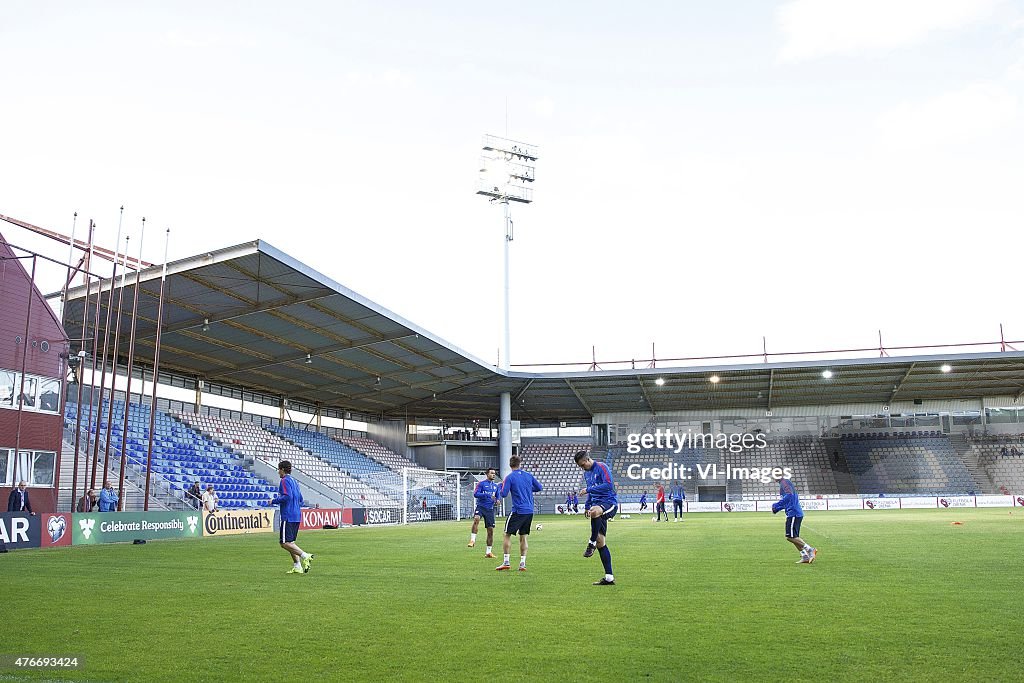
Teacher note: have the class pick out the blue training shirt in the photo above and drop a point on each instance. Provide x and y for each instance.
(522, 485)
(790, 501)
(484, 494)
(600, 489)
(678, 493)
(289, 497)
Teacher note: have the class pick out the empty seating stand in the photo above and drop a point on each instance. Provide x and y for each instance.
(355, 464)
(248, 439)
(553, 465)
(181, 456)
(906, 463)
(996, 456)
(804, 455)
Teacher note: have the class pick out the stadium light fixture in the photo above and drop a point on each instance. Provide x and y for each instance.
(206, 324)
(714, 379)
(660, 381)
(946, 367)
(827, 374)
(506, 172)
(309, 359)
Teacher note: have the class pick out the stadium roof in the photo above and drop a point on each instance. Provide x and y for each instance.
(252, 317)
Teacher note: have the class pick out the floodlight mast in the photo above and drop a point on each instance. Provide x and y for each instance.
(506, 168)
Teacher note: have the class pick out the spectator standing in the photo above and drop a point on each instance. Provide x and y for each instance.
(194, 495)
(210, 499)
(108, 498)
(18, 500)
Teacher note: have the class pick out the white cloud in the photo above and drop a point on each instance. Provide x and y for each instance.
(952, 117)
(817, 28)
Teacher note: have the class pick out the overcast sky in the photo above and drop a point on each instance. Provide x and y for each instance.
(709, 172)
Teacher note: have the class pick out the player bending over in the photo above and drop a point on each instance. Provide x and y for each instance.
(602, 503)
(643, 502)
(289, 497)
(522, 485)
(790, 502)
(659, 501)
(485, 493)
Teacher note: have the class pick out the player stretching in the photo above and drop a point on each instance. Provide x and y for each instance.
(790, 502)
(484, 494)
(602, 504)
(289, 497)
(522, 485)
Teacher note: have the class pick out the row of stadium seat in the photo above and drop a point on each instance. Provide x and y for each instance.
(180, 455)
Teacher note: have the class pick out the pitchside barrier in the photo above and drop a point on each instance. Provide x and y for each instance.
(821, 504)
(45, 530)
(230, 522)
(19, 530)
(125, 527)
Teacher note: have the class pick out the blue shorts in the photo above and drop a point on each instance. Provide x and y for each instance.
(518, 524)
(600, 525)
(793, 526)
(289, 531)
(486, 515)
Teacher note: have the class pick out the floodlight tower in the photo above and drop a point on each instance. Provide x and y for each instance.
(506, 171)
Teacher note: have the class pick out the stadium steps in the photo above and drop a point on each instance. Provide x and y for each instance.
(845, 483)
(970, 457)
(134, 496)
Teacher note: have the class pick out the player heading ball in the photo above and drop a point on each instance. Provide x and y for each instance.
(602, 504)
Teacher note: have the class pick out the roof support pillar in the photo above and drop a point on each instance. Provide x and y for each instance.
(505, 434)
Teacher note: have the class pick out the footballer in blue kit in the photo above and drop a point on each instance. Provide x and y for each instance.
(602, 504)
(485, 495)
(289, 497)
(521, 485)
(790, 502)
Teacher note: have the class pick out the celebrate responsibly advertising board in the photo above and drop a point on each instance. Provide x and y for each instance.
(124, 527)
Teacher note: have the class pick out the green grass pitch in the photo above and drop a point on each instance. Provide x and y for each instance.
(894, 595)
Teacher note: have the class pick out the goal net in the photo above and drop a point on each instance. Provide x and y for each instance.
(419, 495)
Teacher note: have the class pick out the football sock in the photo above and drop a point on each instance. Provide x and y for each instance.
(606, 559)
(298, 565)
(609, 577)
(591, 542)
(472, 538)
(304, 554)
(506, 558)
(488, 550)
(522, 560)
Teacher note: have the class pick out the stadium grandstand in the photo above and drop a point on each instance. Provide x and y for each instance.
(262, 359)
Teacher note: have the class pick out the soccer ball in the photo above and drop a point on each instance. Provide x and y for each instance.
(625, 516)
(539, 527)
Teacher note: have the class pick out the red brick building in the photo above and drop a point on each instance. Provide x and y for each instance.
(40, 396)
